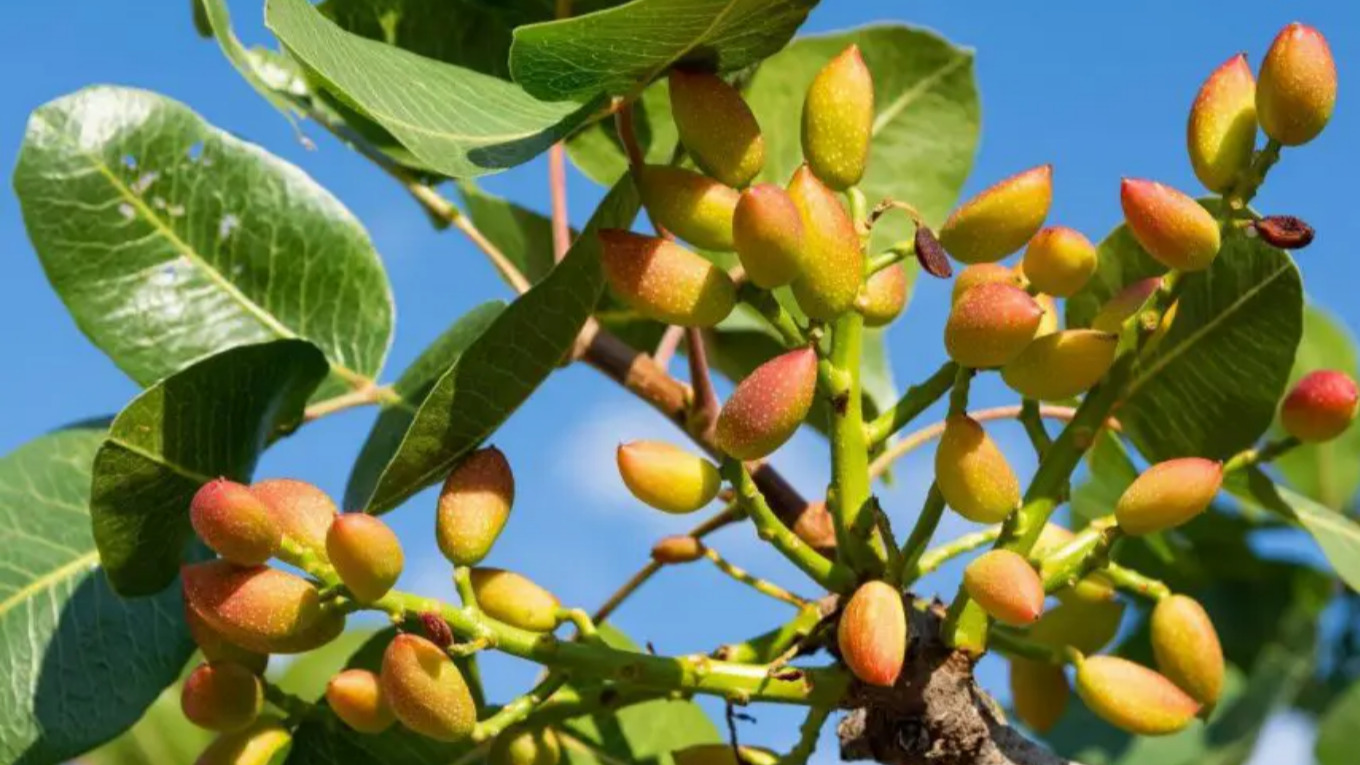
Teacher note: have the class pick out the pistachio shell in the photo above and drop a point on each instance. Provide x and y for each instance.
(1221, 133)
(425, 690)
(264, 742)
(222, 696)
(474, 505)
(1039, 693)
(217, 648)
(984, 273)
(1320, 406)
(664, 281)
(678, 548)
(302, 512)
(1048, 324)
(525, 747)
(366, 555)
(768, 405)
(1059, 261)
(1132, 697)
(1174, 229)
(1051, 539)
(872, 633)
(667, 477)
(838, 120)
(697, 209)
(717, 127)
(259, 608)
(1061, 365)
(832, 262)
(885, 296)
(973, 475)
(1001, 219)
(1087, 626)
(768, 235)
(234, 522)
(1297, 91)
(355, 696)
(990, 325)
(514, 599)
(1124, 304)
(1187, 649)
(1168, 494)
(1006, 586)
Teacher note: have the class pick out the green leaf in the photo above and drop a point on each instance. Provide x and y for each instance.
(1328, 472)
(1336, 730)
(218, 20)
(1338, 535)
(170, 240)
(163, 736)
(502, 367)
(212, 419)
(621, 50)
(1110, 471)
(79, 664)
(413, 387)
(597, 151)
(1210, 387)
(926, 117)
(1120, 261)
(524, 236)
(458, 122)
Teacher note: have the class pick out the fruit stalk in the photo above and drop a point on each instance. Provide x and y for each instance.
(517, 710)
(808, 733)
(762, 586)
(1033, 420)
(1255, 176)
(914, 549)
(917, 399)
(849, 493)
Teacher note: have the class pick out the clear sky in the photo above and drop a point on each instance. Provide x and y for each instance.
(1098, 89)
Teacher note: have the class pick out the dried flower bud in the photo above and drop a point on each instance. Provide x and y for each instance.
(1297, 91)
(1006, 586)
(664, 281)
(1059, 261)
(514, 599)
(1132, 697)
(425, 690)
(768, 406)
(1284, 231)
(264, 742)
(518, 746)
(366, 555)
(990, 325)
(984, 273)
(679, 548)
(1172, 227)
(1039, 693)
(436, 629)
(872, 633)
(222, 697)
(885, 296)
(302, 512)
(667, 477)
(717, 127)
(838, 120)
(474, 506)
(832, 262)
(1187, 648)
(1320, 407)
(356, 697)
(234, 522)
(930, 253)
(1061, 365)
(695, 208)
(768, 235)
(1221, 134)
(1001, 219)
(259, 608)
(1168, 494)
(972, 473)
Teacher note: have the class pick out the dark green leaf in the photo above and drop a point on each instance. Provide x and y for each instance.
(212, 419)
(163, 736)
(1210, 387)
(621, 50)
(524, 236)
(413, 386)
(1337, 534)
(1336, 730)
(1120, 262)
(170, 240)
(597, 151)
(79, 664)
(1328, 472)
(1110, 473)
(503, 366)
(458, 122)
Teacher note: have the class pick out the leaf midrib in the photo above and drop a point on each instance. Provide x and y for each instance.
(48, 580)
(908, 96)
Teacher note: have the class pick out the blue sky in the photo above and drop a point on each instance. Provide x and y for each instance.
(1098, 89)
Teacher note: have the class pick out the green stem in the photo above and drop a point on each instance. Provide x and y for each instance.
(831, 575)
(1086, 552)
(849, 493)
(768, 307)
(762, 586)
(1136, 583)
(292, 707)
(689, 674)
(462, 581)
(312, 563)
(937, 557)
(808, 733)
(1251, 181)
(915, 547)
(1034, 426)
(1013, 644)
(958, 395)
(1266, 453)
(766, 647)
(916, 400)
(585, 628)
(894, 254)
(517, 710)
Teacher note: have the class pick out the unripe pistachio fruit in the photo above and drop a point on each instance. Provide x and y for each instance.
(1186, 646)
(217, 648)
(474, 505)
(425, 690)
(1001, 219)
(264, 742)
(1094, 587)
(355, 696)
(234, 522)
(717, 127)
(679, 548)
(1124, 304)
(302, 512)
(1039, 693)
(366, 555)
(972, 473)
(222, 697)
(1221, 134)
(1061, 365)
(872, 633)
(525, 747)
(1006, 586)
(768, 406)
(259, 608)
(719, 754)
(1132, 697)
(1087, 626)
(695, 208)
(1059, 261)
(1297, 91)
(838, 120)
(667, 477)
(515, 599)
(984, 273)
(1168, 494)
(1174, 229)
(768, 235)
(1320, 407)
(990, 325)
(885, 296)
(664, 281)
(832, 263)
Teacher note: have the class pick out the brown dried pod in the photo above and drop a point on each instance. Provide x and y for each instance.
(1284, 231)
(930, 253)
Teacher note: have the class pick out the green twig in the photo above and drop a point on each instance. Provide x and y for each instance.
(766, 647)
(1013, 644)
(937, 557)
(780, 320)
(1033, 421)
(761, 586)
(808, 733)
(848, 497)
(517, 710)
(915, 547)
(916, 400)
